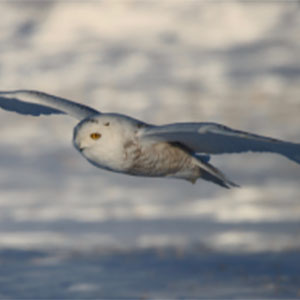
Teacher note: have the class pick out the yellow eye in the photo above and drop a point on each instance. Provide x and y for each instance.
(95, 136)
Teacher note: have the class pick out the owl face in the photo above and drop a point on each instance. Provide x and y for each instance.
(101, 140)
(90, 133)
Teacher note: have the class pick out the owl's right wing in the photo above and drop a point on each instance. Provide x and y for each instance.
(212, 138)
(37, 103)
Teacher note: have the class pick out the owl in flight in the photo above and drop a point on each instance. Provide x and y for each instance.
(123, 144)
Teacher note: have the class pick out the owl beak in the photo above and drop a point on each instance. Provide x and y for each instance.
(79, 146)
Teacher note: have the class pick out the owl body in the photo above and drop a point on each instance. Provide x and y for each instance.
(120, 148)
(160, 159)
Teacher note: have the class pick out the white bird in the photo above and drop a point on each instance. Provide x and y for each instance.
(122, 144)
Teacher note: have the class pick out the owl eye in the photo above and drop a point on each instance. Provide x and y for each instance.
(95, 136)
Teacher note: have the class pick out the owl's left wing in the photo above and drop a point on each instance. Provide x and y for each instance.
(213, 138)
(37, 103)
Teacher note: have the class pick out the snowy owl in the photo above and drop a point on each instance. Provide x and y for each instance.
(123, 144)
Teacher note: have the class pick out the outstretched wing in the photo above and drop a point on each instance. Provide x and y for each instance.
(212, 138)
(36, 103)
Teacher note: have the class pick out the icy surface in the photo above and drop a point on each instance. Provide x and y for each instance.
(89, 231)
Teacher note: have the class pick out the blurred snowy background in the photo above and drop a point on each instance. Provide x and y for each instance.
(231, 62)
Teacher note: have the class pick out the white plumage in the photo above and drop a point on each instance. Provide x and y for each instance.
(122, 144)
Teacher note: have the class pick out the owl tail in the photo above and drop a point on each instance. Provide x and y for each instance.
(210, 173)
